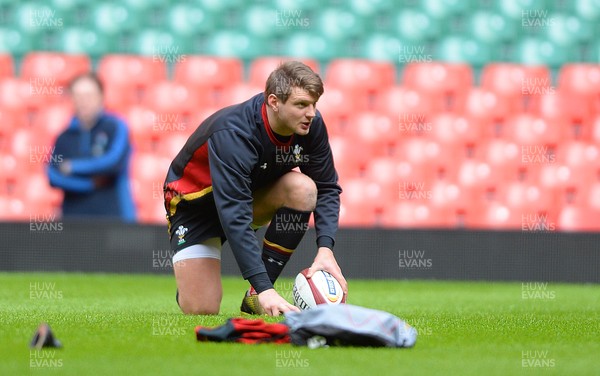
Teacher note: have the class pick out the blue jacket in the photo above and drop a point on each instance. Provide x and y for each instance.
(98, 185)
(232, 154)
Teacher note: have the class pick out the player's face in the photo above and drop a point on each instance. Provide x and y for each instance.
(87, 100)
(296, 114)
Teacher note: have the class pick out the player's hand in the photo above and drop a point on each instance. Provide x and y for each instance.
(325, 260)
(273, 304)
(65, 167)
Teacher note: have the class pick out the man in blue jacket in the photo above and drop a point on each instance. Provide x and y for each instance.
(236, 173)
(91, 158)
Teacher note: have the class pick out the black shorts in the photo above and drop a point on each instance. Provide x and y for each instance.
(194, 222)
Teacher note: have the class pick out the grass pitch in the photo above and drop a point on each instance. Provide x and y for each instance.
(113, 324)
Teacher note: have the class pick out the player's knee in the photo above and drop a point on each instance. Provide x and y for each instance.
(302, 192)
(191, 308)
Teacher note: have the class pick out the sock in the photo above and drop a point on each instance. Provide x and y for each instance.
(285, 232)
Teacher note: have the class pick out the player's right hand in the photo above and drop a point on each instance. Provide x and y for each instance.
(273, 304)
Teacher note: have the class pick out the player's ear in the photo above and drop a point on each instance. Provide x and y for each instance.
(272, 101)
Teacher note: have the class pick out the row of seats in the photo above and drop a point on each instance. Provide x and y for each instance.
(466, 31)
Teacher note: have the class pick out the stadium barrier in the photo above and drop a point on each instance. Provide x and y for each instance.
(362, 253)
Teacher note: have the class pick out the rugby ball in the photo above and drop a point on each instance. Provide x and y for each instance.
(321, 288)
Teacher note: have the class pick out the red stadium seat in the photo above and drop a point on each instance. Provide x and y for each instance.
(357, 215)
(595, 129)
(31, 149)
(16, 95)
(486, 108)
(237, 93)
(170, 145)
(416, 214)
(39, 197)
(390, 172)
(435, 159)
(52, 120)
(364, 195)
(581, 83)
(348, 162)
(374, 131)
(54, 68)
(175, 100)
(14, 209)
(337, 105)
(579, 218)
(209, 73)
(449, 128)
(360, 75)
(261, 68)
(528, 129)
(141, 121)
(11, 120)
(564, 111)
(7, 68)
(505, 158)
(493, 215)
(446, 82)
(129, 76)
(411, 108)
(520, 84)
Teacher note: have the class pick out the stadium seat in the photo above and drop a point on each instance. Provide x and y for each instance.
(6, 66)
(381, 46)
(441, 10)
(519, 84)
(582, 159)
(85, 40)
(169, 97)
(373, 130)
(456, 48)
(337, 23)
(527, 129)
(416, 214)
(11, 120)
(360, 75)
(39, 197)
(237, 43)
(487, 109)
(529, 198)
(359, 214)
(505, 158)
(491, 27)
(568, 29)
(49, 73)
(238, 93)
(16, 42)
(595, 130)
(536, 50)
(15, 95)
(209, 73)
(141, 120)
(454, 129)
(337, 105)
(312, 45)
(581, 81)
(568, 113)
(367, 194)
(415, 25)
(189, 20)
(348, 161)
(52, 120)
(447, 83)
(170, 145)
(112, 19)
(14, 209)
(131, 71)
(424, 153)
(494, 215)
(261, 67)
(579, 218)
(410, 107)
(394, 173)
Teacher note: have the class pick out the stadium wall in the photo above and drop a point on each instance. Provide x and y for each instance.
(362, 253)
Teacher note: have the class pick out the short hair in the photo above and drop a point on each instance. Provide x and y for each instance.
(90, 76)
(292, 74)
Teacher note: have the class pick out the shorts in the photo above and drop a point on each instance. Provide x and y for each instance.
(194, 222)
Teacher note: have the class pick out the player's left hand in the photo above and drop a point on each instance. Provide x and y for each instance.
(65, 167)
(325, 260)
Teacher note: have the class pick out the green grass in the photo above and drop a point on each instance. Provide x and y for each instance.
(113, 324)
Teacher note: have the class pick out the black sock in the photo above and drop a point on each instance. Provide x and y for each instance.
(285, 232)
